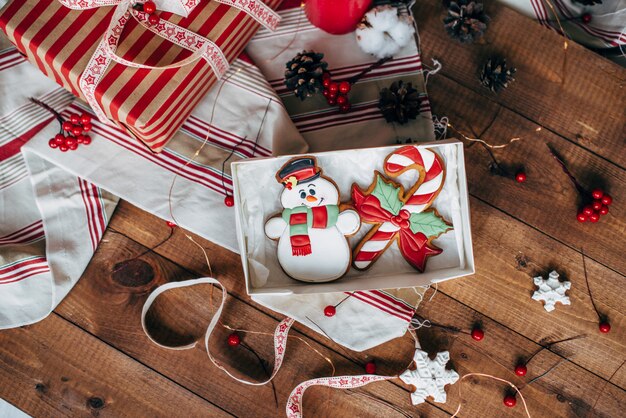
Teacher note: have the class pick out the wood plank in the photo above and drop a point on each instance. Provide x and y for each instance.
(519, 345)
(509, 297)
(581, 96)
(109, 307)
(547, 201)
(54, 368)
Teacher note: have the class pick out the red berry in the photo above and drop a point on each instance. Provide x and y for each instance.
(586, 18)
(478, 334)
(581, 217)
(52, 143)
(344, 87)
(67, 126)
(59, 139)
(86, 140)
(604, 210)
(330, 310)
(69, 141)
(331, 101)
(404, 224)
(342, 100)
(404, 214)
(326, 82)
(596, 205)
(333, 87)
(154, 19)
(229, 201)
(170, 224)
(77, 130)
(607, 200)
(87, 127)
(588, 210)
(74, 118)
(605, 327)
(594, 217)
(370, 367)
(85, 118)
(73, 146)
(326, 75)
(80, 139)
(63, 147)
(510, 401)
(520, 177)
(345, 107)
(521, 370)
(326, 93)
(149, 7)
(597, 193)
(234, 340)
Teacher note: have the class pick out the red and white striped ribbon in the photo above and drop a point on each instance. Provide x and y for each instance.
(431, 169)
(201, 47)
(280, 333)
(294, 402)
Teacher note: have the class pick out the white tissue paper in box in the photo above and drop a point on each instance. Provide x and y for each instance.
(257, 197)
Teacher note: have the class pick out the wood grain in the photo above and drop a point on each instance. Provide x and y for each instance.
(54, 369)
(194, 310)
(575, 94)
(547, 200)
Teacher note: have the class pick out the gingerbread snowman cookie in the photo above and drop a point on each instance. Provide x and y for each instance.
(312, 229)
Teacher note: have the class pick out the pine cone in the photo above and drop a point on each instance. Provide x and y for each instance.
(399, 103)
(466, 20)
(304, 74)
(495, 75)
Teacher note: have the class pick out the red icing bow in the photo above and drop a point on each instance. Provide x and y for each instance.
(389, 207)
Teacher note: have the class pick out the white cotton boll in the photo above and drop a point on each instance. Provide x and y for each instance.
(402, 33)
(371, 41)
(382, 18)
(383, 33)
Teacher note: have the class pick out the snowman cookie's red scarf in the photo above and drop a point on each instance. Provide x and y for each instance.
(301, 218)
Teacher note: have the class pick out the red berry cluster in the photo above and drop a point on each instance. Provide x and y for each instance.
(336, 92)
(599, 207)
(72, 133)
(150, 8)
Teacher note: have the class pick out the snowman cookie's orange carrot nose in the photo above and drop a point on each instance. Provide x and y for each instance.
(311, 198)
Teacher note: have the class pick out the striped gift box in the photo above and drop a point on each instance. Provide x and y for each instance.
(150, 104)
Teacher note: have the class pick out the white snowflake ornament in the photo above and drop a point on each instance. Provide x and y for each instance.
(551, 290)
(429, 377)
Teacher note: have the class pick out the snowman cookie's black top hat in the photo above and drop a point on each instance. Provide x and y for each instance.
(297, 171)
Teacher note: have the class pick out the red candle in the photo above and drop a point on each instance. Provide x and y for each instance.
(336, 16)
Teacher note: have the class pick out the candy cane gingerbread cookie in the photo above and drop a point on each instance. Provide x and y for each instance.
(399, 216)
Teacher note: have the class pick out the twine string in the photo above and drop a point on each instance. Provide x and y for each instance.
(458, 409)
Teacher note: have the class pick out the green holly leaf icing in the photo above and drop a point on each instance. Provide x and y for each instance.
(428, 223)
(388, 195)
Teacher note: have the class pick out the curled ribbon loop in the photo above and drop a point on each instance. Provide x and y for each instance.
(280, 334)
(201, 47)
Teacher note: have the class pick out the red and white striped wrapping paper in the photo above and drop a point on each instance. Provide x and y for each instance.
(152, 104)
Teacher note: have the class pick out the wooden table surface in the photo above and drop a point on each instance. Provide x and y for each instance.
(90, 357)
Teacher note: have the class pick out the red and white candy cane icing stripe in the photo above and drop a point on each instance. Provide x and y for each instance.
(402, 160)
(201, 47)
